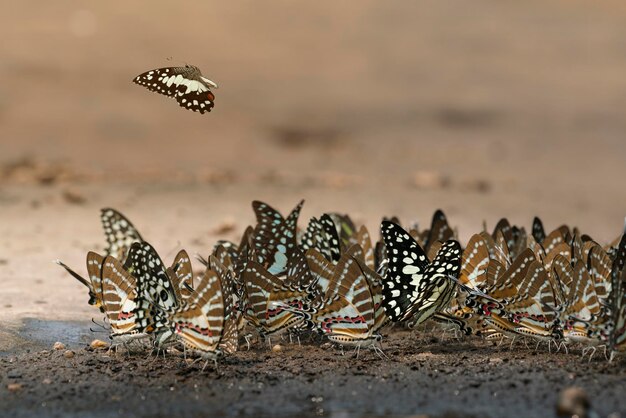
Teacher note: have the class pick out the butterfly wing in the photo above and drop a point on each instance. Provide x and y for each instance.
(274, 237)
(119, 291)
(200, 321)
(120, 233)
(185, 84)
(407, 264)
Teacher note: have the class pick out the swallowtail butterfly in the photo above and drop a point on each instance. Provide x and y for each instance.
(203, 323)
(274, 237)
(119, 291)
(186, 84)
(413, 288)
(263, 291)
(156, 294)
(348, 313)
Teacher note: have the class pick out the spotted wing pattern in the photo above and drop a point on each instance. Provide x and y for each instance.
(156, 295)
(185, 84)
(120, 233)
(413, 288)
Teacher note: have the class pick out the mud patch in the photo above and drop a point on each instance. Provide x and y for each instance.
(424, 374)
(35, 334)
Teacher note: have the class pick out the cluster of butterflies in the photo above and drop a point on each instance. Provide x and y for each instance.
(331, 279)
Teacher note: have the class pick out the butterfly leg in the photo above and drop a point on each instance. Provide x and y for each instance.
(501, 341)
(247, 339)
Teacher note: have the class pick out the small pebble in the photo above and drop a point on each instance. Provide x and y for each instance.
(14, 387)
(46, 381)
(574, 401)
(277, 348)
(98, 344)
(68, 354)
(58, 346)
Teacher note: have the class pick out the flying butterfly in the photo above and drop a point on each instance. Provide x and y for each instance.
(186, 84)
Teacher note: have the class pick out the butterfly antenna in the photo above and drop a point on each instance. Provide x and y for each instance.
(99, 325)
(72, 273)
(202, 260)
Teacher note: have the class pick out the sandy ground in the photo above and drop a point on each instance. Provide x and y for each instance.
(485, 110)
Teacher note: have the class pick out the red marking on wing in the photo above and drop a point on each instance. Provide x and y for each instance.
(273, 312)
(341, 320)
(125, 315)
(178, 327)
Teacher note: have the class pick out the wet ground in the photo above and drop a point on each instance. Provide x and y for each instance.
(428, 373)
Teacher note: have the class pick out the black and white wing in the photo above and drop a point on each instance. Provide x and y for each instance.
(186, 84)
(120, 233)
(407, 264)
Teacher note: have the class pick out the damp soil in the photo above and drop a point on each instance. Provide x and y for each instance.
(426, 373)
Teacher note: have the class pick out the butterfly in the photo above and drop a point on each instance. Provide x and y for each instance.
(186, 84)
(119, 292)
(181, 275)
(345, 228)
(440, 230)
(263, 291)
(322, 235)
(203, 322)
(120, 233)
(274, 237)
(348, 313)
(617, 340)
(156, 294)
(413, 288)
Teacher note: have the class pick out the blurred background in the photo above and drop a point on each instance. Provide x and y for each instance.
(486, 110)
